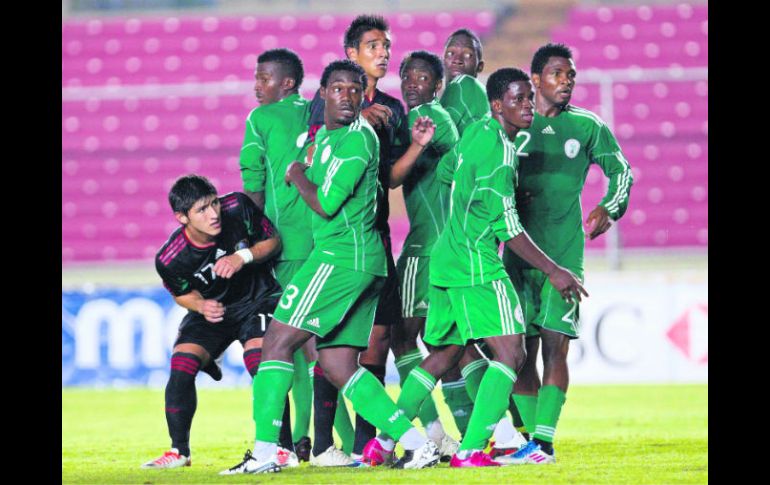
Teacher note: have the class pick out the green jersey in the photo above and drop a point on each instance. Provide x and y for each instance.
(555, 154)
(465, 99)
(482, 210)
(345, 168)
(275, 136)
(427, 200)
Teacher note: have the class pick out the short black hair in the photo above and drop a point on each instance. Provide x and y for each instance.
(189, 189)
(362, 24)
(289, 60)
(471, 35)
(498, 81)
(343, 65)
(430, 58)
(540, 59)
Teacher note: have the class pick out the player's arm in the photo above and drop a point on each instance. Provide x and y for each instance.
(377, 115)
(212, 310)
(423, 129)
(267, 244)
(295, 174)
(606, 153)
(252, 161)
(186, 296)
(498, 196)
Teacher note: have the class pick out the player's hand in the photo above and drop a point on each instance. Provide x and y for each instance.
(566, 284)
(227, 266)
(523, 198)
(212, 310)
(598, 222)
(423, 130)
(377, 115)
(292, 170)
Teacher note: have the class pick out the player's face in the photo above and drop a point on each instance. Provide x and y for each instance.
(267, 87)
(557, 81)
(460, 58)
(204, 218)
(373, 53)
(518, 105)
(418, 83)
(343, 95)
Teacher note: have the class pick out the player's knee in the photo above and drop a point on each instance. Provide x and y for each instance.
(252, 358)
(184, 368)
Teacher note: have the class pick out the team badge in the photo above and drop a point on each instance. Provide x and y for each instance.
(301, 140)
(571, 148)
(326, 154)
(518, 314)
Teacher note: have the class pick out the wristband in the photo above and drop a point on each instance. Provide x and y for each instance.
(245, 255)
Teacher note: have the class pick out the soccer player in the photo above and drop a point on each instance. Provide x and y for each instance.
(334, 294)
(471, 295)
(367, 43)
(427, 206)
(274, 137)
(465, 99)
(556, 152)
(215, 267)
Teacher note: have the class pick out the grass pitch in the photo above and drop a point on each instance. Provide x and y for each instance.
(606, 434)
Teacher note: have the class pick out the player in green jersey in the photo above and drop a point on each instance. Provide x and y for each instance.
(464, 97)
(334, 294)
(427, 206)
(471, 295)
(274, 137)
(556, 152)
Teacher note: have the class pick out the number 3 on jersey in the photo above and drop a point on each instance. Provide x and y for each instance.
(288, 296)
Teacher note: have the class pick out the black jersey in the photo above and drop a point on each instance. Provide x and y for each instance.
(184, 266)
(394, 140)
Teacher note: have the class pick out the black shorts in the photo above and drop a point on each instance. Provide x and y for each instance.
(242, 322)
(389, 307)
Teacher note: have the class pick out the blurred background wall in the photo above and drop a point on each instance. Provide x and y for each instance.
(154, 89)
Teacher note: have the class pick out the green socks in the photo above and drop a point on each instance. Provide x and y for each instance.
(473, 373)
(527, 406)
(416, 388)
(459, 403)
(271, 384)
(550, 400)
(496, 387)
(344, 426)
(427, 412)
(302, 396)
(370, 400)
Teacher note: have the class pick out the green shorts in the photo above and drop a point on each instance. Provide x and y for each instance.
(336, 304)
(284, 271)
(458, 315)
(543, 306)
(413, 275)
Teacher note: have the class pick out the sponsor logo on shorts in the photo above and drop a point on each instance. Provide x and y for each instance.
(313, 322)
(422, 305)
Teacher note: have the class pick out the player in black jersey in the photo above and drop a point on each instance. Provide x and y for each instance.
(217, 266)
(367, 43)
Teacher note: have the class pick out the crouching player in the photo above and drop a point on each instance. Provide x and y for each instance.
(214, 266)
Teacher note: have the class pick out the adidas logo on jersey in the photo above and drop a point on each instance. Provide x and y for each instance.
(422, 305)
(313, 322)
(220, 253)
(548, 130)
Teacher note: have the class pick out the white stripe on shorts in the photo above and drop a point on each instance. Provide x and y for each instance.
(310, 295)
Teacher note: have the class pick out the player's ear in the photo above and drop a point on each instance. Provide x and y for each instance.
(536, 80)
(352, 54)
(288, 83)
(322, 92)
(439, 85)
(497, 106)
(480, 67)
(182, 218)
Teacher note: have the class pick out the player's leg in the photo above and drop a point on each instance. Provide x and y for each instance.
(491, 312)
(198, 341)
(526, 388)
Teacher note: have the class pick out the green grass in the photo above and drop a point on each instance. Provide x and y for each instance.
(607, 434)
